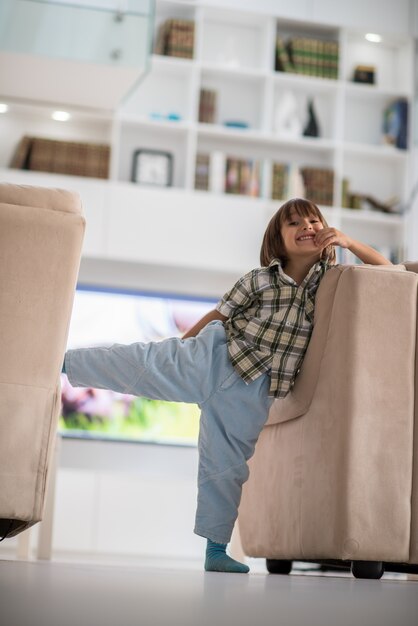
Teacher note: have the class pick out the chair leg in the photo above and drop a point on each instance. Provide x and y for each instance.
(367, 569)
(277, 566)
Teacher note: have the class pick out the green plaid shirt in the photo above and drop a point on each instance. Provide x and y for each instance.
(269, 324)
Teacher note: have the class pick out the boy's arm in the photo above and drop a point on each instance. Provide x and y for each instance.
(238, 296)
(367, 254)
(209, 317)
(333, 237)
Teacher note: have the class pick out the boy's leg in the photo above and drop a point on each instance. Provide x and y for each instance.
(231, 422)
(172, 369)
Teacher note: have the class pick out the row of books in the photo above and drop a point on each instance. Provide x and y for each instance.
(175, 38)
(217, 172)
(62, 157)
(302, 55)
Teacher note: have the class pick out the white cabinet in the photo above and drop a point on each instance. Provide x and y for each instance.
(234, 56)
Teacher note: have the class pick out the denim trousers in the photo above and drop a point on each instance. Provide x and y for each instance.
(197, 370)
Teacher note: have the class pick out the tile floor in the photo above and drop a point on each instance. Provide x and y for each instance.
(124, 593)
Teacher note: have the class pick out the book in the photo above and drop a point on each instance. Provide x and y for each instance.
(395, 124)
(319, 185)
(207, 106)
(283, 63)
(202, 172)
(280, 181)
(345, 193)
(242, 177)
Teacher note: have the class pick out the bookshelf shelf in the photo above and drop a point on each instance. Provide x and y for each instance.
(305, 143)
(307, 83)
(372, 217)
(373, 91)
(238, 134)
(174, 65)
(234, 56)
(225, 132)
(160, 125)
(389, 153)
(236, 72)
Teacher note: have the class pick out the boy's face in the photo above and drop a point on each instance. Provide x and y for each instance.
(298, 234)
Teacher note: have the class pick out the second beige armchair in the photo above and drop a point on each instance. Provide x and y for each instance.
(335, 471)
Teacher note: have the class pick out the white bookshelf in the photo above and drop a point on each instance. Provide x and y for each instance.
(234, 54)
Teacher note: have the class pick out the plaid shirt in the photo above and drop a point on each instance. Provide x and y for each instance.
(269, 324)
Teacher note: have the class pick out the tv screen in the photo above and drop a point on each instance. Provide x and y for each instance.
(102, 317)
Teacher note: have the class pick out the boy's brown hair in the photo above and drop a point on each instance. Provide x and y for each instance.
(273, 246)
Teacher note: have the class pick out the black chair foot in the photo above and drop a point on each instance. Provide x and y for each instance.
(275, 566)
(367, 569)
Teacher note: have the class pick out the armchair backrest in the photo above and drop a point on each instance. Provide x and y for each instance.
(344, 283)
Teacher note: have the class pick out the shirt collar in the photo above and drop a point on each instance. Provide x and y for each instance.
(317, 268)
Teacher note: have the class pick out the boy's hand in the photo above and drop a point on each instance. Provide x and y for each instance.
(332, 237)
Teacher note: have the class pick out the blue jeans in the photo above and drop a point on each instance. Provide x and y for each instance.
(195, 370)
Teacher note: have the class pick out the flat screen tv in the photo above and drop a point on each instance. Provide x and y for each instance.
(102, 317)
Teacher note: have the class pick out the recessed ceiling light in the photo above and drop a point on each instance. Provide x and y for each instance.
(373, 37)
(61, 116)
(3, 108)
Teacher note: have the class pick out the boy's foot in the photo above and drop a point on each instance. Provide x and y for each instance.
(218, 561)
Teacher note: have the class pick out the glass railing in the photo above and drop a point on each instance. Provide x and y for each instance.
(111, 32)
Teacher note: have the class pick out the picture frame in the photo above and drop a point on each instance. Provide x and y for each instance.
(152, 167)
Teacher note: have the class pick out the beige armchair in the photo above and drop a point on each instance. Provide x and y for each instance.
(333, 474)
(41, 232)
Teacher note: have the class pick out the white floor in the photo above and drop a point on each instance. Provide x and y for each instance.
(123, 593)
